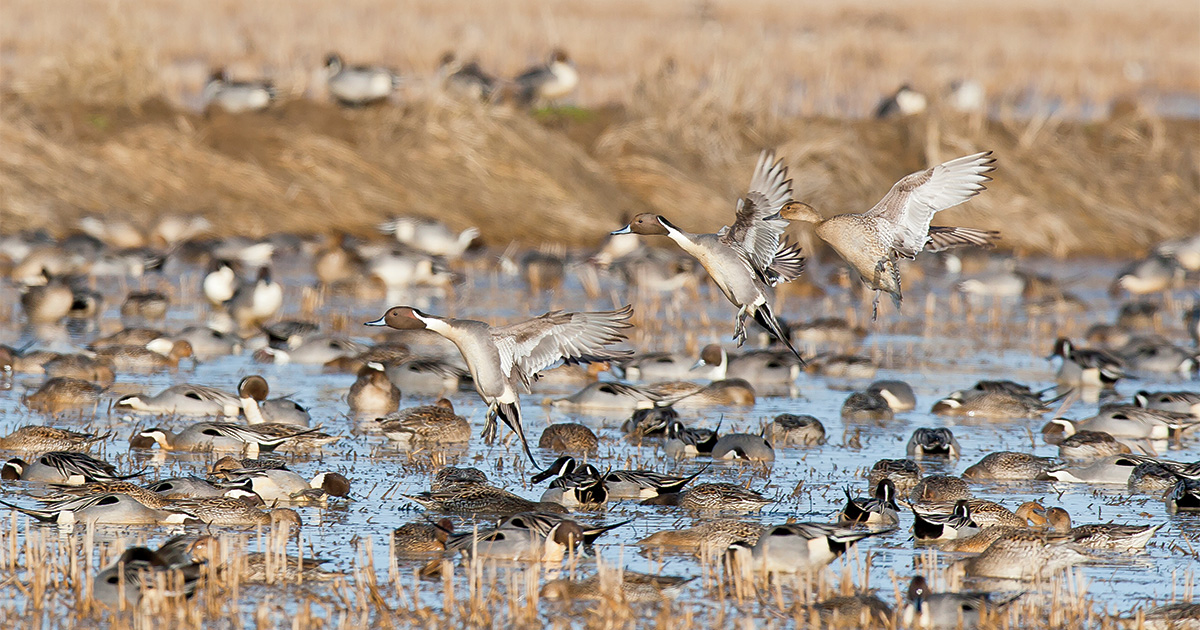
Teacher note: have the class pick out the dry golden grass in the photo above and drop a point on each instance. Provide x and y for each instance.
(102, 125)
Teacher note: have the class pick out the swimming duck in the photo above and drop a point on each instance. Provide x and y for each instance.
(518, 544)
(275, 416)
(373, 392)
(663, 366)
(427, 376)
(1152, 274)
(1131, 421)
(467, 80)
(1085, 366)
(275, 485)
(826, 330)
(1105, 536)
(747, 257)
(231, 511)
(745, 446)
(609, 396)
(1184, 496)
(183, 400)
(939, 488)
(684, 395)
(1025, 555)
(214, 436)
(936, 526)
(96, 369)
(898, 394)
(570, 437)
(549, 82)
(421, 539)
(1007, 465)
(649, 422)
(706, 538)
(435, 423)
(633, 588)
(880, 510)
(134, 577)
(478, 498)
(63, 467)
(905, 474)
(448, 476)
(1081, 445)
(1030, 515)
(946, 611)
(1114, 469)
(48, 302)
(209, 342)
(236, 97)
(110, 509)
(713, 497)
(864, 609)
(254, 303)
(192, 488)
(684, 441)
(792, 430)
(622, 484)
(59, 394)
(1153, 478)
(504, 359)
(430, 236)
(867, 407)
(139, 358)
(356, 86)
(991, 404)
(43, 439)
(898, 226)
(256, 567)
(1156, 355)
(1179, 401)
(581, 488)
(938, 442)
(796, 548)
(760, 367)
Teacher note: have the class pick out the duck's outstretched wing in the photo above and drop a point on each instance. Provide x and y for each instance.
(942, 238)
(529, 347)
(910, 205)
(757, 225)
(787, 265)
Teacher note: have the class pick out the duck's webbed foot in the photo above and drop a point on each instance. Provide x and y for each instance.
(489, 427)
(739, 329)
(875, 306)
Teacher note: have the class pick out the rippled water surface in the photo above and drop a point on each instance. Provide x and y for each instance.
(958, 345)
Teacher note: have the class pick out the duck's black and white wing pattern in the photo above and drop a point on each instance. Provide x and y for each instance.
(911, 203)
(757, 226)
(529, 347)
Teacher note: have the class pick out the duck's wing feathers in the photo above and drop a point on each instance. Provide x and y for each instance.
(911, 203)
(757, 226)
(942, 238)
(787, 265)
(529, 347)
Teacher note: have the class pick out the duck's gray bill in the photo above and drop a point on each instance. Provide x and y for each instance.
(378, 322)
(624, 230)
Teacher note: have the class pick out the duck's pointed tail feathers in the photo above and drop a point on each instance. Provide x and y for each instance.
(767, 320)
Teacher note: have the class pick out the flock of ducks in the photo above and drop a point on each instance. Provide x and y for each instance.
(254, 439)
(362, 85)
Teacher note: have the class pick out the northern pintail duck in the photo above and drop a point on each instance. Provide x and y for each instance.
(256, 567)
(950, 610)
(337, 263)
(504, 359)
(373, 392)
(1184, 496)
(278, 415)
(622, 484)
(518, 544)
(1081, 445)
(569, 437)
(684, 441)
(938, 442)
(939, 526)
(17, 361)
(318, 350)
(580, 488)
(133, 336)
(549, 82)
(1029, 515)
(796, 430)
(866, 407)
(465, 80)
(1114, 469)
(939, 488)
(632, 588)
(1007, 465)
(267, 461)
(842, 366)
(183, 400)
(1085, 366)
(427, 376)
(864, 609)
(421, 539)
(136, 575)
(192, 488)
(745, 446)
(96, 369)
(685, 395)
(1103, 536)
(1177, 401)
(1156, 355)
(63, 467)
(1131, 421)
(759, 368)
(650, 422)
(47, 303)
(44, 439)
(428, 424)
(236, 97)
(430, 236)
(478, 498)
(1182, 615)
(289, 334)
(355, 86)
(253, 304)
(215, 436)
(826, 330)
(905, 101)
(60, 393)
(748, 257)
(209, 342)
(878, 510)
(1152, 274)
(236, 512)
(609, 396)
(991, 404)
(139, 358)
(796, 548)
(1152, 478)
(448, 476)
(898, 226)
(713, 497)
(706, 538)
(662, 366)
(1025, 555)
(904, 473)
(109, 509)
(898, 394)
(145, 306)
(276, 485)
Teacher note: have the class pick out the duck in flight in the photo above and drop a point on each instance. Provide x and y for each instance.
(872, 242)
(746, 258)
(504, 360)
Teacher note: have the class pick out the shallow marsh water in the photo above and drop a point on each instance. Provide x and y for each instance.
(956, 346)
